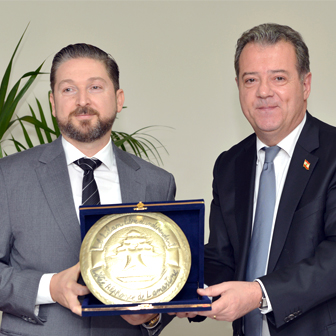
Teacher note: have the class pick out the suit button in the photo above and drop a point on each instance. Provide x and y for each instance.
(289, 318)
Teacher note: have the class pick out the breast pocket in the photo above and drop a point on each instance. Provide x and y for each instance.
(317, 205)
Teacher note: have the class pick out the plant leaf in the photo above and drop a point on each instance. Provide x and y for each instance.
(18, 145)
(36, 122)
(140, 143)
(26, 135)
(43, 120)
(37, 129)
(13, 99)
(5, 78)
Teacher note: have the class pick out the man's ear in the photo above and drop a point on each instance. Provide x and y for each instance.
(52, 102)
(306, 85)
(120, 98)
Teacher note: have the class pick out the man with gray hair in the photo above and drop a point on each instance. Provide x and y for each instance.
(40, 195)
(271, 256)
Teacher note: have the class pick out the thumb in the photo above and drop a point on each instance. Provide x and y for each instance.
(212, 291)
(76, 271)
(202, 291)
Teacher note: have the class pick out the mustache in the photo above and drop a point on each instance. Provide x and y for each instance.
(83, 110)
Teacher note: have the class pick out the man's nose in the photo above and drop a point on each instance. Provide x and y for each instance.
(83, 98)
(264, 89)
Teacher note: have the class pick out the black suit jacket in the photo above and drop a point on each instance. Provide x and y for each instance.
(301, 277)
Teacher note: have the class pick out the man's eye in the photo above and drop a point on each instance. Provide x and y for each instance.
(279, 78)
(250, 80)
(67, 90)
(96, 87)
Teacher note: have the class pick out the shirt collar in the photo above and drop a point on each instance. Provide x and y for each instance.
(288, 143)
(105, 155)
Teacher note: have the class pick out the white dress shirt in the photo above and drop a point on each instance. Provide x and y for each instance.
(107, 179)
(106, 175)
(281, 165)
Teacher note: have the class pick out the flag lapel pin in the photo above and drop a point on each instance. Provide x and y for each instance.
(306, 164)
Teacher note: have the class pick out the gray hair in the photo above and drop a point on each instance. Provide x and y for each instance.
(83, 50)
(271, 33)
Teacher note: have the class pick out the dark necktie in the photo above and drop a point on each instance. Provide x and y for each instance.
(261, 236)
(90, 194)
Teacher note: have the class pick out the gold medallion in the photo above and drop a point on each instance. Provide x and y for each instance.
(134, 258)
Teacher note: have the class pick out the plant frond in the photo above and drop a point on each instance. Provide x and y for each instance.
(26, 135)
(140, 143)
(18, 145)
(44, 122)
(5, 78)
(13, 99)
(9, 104)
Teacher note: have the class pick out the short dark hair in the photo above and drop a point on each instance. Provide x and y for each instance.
(83, 50)
(271, 33)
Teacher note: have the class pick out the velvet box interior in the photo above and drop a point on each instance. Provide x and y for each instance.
(189, 216)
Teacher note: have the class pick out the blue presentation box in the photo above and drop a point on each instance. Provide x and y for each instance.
(189, 216)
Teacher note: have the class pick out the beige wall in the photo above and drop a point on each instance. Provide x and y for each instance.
(176, 63)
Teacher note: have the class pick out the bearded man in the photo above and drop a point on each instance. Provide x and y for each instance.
(40, 194)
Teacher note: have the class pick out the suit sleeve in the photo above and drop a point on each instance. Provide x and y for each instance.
(18, 287)
(171, 188)
(218, 253)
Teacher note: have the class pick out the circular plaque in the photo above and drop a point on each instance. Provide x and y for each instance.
(134, 258)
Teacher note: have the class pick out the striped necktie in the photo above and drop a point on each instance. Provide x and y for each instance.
(90, 194)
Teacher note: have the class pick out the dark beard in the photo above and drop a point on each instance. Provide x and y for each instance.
(85, 132)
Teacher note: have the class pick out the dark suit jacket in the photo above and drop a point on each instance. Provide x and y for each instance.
(40, 233)
(301, 276)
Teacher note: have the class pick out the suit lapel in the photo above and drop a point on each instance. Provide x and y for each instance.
(132, 188)
(53, 175)
(244, 181)
(296, 181)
